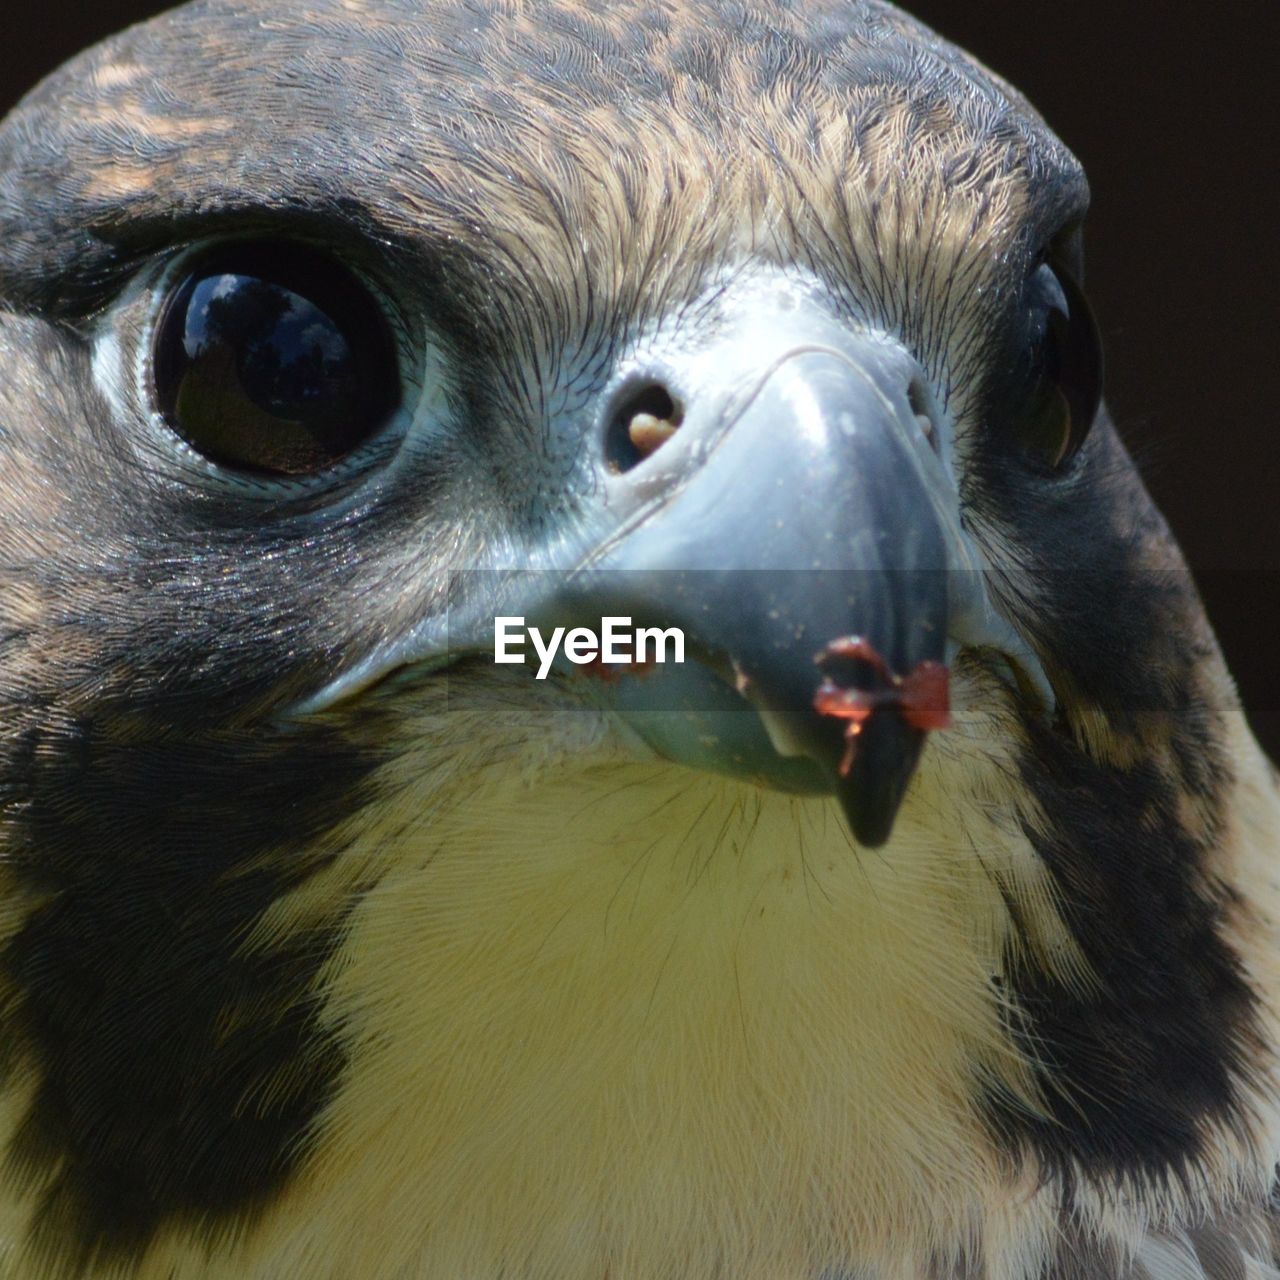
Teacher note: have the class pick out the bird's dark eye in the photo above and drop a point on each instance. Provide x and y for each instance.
(1060, 382)
(274, 358)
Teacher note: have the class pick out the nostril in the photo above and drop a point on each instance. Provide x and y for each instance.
(922, 406)
(647, 417)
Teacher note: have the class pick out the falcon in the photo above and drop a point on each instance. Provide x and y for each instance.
(919, 925)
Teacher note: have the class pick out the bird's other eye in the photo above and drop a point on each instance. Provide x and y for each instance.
(1060, 376)
(273, 358)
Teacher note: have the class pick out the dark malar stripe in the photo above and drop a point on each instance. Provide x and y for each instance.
(1134, 1069)
(178, 1074)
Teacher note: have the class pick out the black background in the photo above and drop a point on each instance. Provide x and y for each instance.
(1171, 111)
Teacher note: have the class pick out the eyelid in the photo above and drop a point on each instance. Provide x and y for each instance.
(90, 276)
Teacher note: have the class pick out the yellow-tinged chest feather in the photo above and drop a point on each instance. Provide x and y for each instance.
(634, 1021)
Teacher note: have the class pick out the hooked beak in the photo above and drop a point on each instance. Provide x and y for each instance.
(801, 526)
(817, 512)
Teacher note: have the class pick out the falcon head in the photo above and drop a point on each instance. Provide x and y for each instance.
(918, 922)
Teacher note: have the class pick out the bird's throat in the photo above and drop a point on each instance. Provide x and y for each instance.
(659, 1017)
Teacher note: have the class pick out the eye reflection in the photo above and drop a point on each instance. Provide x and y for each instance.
(1060, 369)
(274, 359)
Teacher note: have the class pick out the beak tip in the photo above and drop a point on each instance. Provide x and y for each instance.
(871, 791)
(886, 719)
